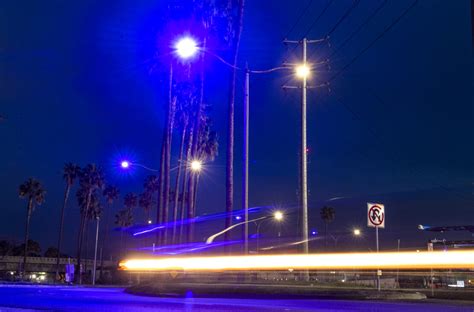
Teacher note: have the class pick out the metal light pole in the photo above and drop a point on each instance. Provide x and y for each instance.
(95, 250)
(304, 165)
(245, 175)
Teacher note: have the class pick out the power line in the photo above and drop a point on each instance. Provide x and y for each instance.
(328, 4)
(348, 12)
(361, 26)
(355, 3)
(373, 42)
(303, 12)
(326, 7)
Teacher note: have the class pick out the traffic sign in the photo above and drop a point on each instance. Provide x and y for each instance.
(375, 215)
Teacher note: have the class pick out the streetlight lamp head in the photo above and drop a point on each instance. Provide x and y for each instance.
(149, 221)
(125, 164)
(196, 165)
(357, 232)
(186, 47)
(302, 71)
(278, 215)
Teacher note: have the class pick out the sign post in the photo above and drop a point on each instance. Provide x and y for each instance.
(376, 219)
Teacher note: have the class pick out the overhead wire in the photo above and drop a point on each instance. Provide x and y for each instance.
(373, 42)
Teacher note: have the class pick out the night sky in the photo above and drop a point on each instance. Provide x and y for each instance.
(77, 84)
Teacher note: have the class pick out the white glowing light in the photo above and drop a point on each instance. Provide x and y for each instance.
(125, 164)
(368, 260)
(356, 232)
(186, 47)
(196, 165)
(278, 215)
(303, 71)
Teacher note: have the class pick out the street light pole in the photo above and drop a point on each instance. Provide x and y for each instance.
(245, 178)
(302, 72)
(304, 165)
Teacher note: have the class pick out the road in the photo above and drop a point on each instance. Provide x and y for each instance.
(26, 298)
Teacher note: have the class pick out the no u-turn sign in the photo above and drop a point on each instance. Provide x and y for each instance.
(375, 215)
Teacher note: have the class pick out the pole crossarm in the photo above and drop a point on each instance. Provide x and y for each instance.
(286, 41)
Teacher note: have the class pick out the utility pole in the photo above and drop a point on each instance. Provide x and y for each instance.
(303, 71)
(304, 164)
(245, 178)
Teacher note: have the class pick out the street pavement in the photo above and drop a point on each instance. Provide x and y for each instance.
(26, 298)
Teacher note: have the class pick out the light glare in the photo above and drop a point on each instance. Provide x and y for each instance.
(186, 47)
(196, 165)
(278, 215)
(125, 164)
(303, 71)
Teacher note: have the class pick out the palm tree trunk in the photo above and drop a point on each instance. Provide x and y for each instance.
(190, 183)
(195, 146)
(178, 178)
(187, 182)
(104, 239)
(159, 203)
(61, 224)
(81, 234)
(168, 140)
(192, 207)
(86, 243)
(230, 132)
(183, 206)
(27, 234)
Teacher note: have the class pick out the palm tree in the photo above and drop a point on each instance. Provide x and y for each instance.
(327, 215)
(130, 201)
(145, 201)
(32, 190)
(236, 25)
(70, 173)
(111, 193)
(123, 219)
(91, 179)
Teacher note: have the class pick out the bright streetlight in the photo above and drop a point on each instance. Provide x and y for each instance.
(196, 165)
(303, 71)
(186, 47)
(125, 164)
(357, 232)
(278, 215)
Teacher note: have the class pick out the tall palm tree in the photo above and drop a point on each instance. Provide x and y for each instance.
(34, 192)
(236, 24)
(111, 194)
(70, 173)
(327, 215)
(91, 179)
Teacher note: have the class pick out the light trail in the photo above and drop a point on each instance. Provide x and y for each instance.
(335, 261)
